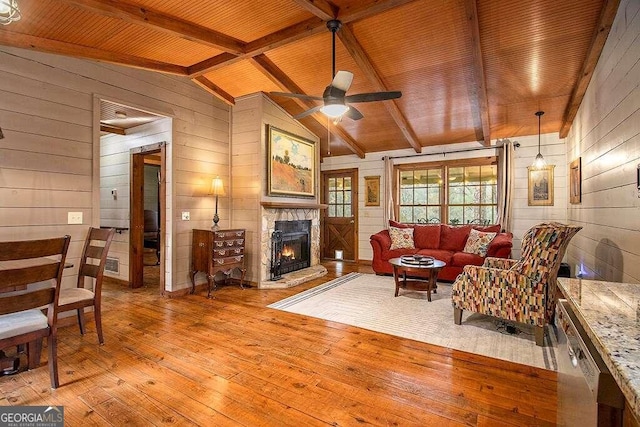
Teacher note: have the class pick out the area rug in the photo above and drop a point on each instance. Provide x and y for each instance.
(367, 301)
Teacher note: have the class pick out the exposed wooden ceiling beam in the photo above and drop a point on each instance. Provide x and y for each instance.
(112, 129)
(607, 15)
(362, 10)
(319, 8)
(299, 31)
(277, 76)
(24, 41)
(360, 57)
(158, 21)
(210, 87)
(283, 37)
(482, 100)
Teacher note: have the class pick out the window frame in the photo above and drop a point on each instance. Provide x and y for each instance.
(444, 165)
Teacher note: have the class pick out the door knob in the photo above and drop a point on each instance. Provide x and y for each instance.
(352, 221)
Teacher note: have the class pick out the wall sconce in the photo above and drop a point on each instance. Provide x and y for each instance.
(216, 190)
(9, 12)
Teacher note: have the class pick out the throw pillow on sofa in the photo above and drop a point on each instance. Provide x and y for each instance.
(478, 242)
(401, 238)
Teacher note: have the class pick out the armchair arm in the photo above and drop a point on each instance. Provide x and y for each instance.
(501, 263)
(501, 293)
(383, 239)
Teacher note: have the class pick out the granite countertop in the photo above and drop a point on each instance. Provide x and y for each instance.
(610, 315)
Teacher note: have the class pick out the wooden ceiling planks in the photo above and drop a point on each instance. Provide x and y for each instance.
(536, 55)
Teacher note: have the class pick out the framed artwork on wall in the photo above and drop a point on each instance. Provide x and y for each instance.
(291, 164)
(541, 186)
(575, 182)
(372, 190)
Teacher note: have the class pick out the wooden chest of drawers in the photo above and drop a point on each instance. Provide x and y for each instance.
(220, 251)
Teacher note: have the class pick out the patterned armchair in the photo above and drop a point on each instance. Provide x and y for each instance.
(517, 290)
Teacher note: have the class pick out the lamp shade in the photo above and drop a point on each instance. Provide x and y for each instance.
(216, 187)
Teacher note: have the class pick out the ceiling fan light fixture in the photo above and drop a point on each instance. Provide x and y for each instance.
(9, 12)
(334, 110)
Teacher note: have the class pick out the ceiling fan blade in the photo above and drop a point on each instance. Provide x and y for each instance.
(353, 113)
(373, 96)
(297, 95)
(308, 112)
(342, 80)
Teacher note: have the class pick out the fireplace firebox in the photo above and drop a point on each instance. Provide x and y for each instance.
(290, 247)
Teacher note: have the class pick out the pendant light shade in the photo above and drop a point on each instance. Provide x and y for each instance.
(539, 162)
(9, 12)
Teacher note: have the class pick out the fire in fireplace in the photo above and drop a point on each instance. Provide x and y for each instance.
(290, 247)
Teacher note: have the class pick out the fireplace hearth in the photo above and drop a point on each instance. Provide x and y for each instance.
(290, 247)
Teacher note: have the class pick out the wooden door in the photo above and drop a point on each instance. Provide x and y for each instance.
(340, 219)
(136, 213)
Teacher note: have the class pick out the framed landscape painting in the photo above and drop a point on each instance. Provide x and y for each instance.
(291, 166)
(541, 186)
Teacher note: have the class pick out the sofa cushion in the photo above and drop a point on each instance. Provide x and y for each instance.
(478, 242)
(453, 238)
(427, 236)
(495, 228)
(396, 224)
(401, 238)
(461, 259)
(439, 254)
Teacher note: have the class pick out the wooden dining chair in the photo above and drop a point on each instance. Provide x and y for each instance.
(27, 270)
(94, 257)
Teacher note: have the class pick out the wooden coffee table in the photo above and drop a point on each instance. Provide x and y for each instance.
(424, 279)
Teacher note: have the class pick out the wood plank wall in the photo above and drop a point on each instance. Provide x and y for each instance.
(249, 154)
(606, 135)
(371, 217)
(46, 158)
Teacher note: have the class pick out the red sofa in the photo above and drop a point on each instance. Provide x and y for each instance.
(441, 241)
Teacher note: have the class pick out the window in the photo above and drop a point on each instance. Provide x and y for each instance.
(339, 197)
(457, 192)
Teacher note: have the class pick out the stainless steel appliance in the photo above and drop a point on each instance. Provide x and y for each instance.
(587, 393)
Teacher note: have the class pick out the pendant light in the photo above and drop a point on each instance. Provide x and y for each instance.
(539, 162)
(9, 12)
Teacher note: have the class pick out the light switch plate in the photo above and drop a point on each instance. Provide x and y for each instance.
(186, 216)
(74, 217)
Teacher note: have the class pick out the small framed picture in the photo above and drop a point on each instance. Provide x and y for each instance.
(541, 186)
(575, 182)
(372, 190)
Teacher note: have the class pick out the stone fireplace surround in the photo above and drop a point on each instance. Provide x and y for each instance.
(272, 212)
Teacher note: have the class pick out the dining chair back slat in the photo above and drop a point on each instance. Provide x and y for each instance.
(27, 249)
(90, 270)
(26, 301)
(28, 274)
(94, 252)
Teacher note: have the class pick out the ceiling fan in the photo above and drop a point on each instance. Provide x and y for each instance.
(335, 100)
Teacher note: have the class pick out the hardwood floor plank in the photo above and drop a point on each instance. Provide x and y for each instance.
(231, 361)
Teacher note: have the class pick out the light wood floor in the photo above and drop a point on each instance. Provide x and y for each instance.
(232, 361)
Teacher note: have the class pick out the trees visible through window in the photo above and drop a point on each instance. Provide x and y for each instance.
(339, 199)
(455, 192)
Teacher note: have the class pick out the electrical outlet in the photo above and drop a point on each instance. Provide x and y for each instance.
(74, 217)
(186, 216)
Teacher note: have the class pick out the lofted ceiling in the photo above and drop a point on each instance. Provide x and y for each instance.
(468, 70)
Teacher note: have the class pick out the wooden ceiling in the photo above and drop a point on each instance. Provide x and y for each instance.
(468, 70)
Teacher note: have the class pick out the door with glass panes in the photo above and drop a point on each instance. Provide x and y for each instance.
(340, 219)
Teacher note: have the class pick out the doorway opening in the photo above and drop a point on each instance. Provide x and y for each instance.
(131, 164)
